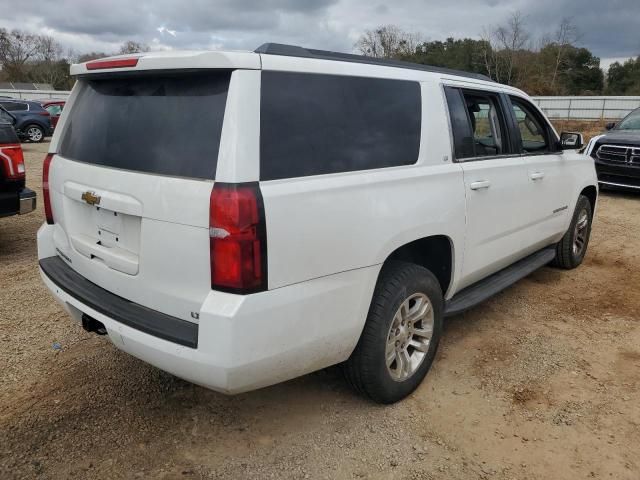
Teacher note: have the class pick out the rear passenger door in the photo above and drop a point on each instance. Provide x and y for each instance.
(495, 179)
(549, 181)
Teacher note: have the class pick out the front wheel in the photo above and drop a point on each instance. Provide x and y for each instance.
(401, 334)
(570, 251)
(35, 133)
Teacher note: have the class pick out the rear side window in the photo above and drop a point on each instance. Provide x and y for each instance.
(478, 124)
(486, 124)
(15, 106)
(313, 124)
(168, 125)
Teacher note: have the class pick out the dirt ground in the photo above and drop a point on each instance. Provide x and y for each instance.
(541, 382)
(588, 128)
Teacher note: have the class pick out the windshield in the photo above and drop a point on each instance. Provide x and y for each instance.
(630, 122)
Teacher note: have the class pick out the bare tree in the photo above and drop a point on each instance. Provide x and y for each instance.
(490, 55)
(387, 41)
(511, 39)
(48, 49)
(133, 47)
(16, 49)
(566, 35)
(50, 66)
(85, 57)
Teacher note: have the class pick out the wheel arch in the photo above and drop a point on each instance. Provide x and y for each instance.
(35, 124)
(434, 252)
(591, 192)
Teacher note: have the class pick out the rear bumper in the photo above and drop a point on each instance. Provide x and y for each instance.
(17, 202)
(123, 311)
(243, 342)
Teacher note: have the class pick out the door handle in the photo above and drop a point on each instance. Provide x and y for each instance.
(480, 184)
(536, 175)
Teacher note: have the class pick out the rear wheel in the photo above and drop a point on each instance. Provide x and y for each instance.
(401, 334)
(35, 133)
(571, 250)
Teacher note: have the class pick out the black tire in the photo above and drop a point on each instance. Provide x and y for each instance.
(366, 370)
(567, 256)
(33, 126)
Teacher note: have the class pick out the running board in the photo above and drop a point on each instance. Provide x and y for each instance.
(484, 289)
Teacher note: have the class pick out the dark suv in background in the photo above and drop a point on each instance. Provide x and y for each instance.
(33, 121)
(617, 154)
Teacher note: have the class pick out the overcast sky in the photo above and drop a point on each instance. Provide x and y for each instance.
(610, 28)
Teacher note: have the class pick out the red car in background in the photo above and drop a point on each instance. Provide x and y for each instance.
(54, 107)
(15, 198)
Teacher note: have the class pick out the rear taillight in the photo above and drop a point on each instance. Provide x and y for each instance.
(237, 238)
(12, 162)
(46, 166)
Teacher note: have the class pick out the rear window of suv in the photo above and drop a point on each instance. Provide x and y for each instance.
(168, 125)
(313, 124)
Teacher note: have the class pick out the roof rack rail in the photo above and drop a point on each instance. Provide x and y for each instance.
(296, 51)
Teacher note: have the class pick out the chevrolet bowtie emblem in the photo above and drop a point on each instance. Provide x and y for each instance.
(91, 198)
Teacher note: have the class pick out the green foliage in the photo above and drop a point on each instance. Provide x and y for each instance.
(582, 74)
(567, 70)
(461, 54)
(624, 79)
(553, 70)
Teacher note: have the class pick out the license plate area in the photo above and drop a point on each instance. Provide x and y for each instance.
(104, 233)
(109, 228)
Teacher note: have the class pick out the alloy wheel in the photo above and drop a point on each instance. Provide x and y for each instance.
(409, 337)
(34, 134)
(580, 232)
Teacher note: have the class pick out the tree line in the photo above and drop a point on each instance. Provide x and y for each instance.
(25, 57)
(551, 65)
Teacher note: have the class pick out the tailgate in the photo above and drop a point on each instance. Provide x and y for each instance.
(131, 182)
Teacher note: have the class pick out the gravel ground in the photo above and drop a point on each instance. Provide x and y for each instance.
(540, 382)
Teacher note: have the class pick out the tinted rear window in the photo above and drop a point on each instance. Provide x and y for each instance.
(168, 125)
(15, 106)
(313, 124)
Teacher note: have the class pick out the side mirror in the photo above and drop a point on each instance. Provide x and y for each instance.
(571, 140)
(610, 125)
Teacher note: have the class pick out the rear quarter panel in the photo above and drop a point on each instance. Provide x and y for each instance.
(322, 225)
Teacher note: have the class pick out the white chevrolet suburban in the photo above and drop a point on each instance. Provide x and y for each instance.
(242, 218)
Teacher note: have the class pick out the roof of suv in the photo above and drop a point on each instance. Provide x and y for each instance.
(296, 51)
(250, 60)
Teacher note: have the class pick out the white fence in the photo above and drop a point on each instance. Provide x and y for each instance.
(34, 94)
(587, 108)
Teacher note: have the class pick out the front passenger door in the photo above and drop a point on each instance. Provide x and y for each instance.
(495, 178)
(549, 183)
